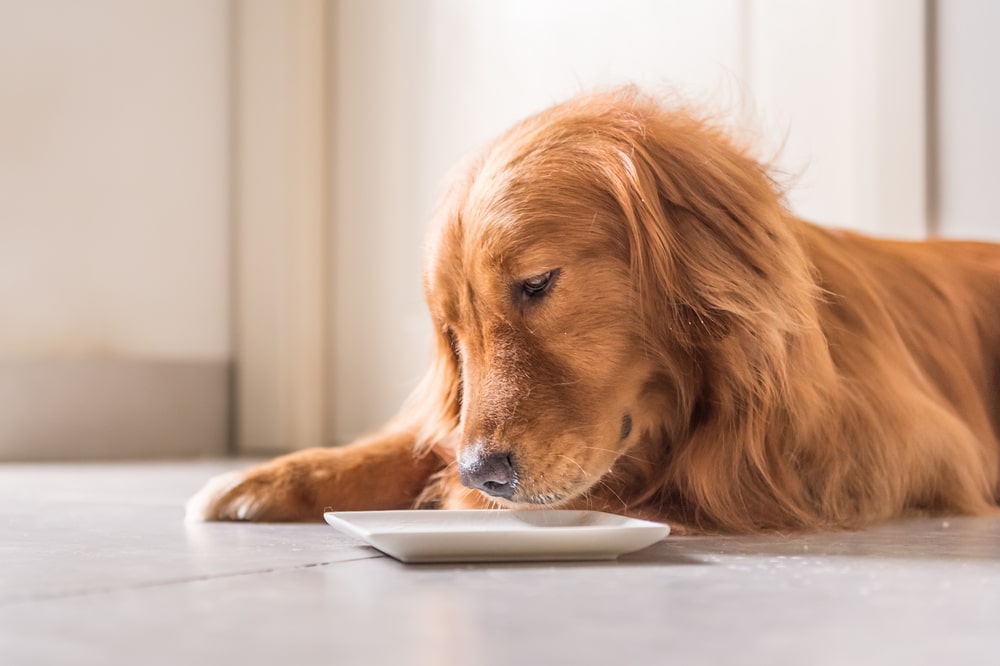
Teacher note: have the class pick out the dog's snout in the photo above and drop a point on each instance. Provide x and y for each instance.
(492, 473)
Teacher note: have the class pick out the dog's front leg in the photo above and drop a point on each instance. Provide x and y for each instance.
(380, 472)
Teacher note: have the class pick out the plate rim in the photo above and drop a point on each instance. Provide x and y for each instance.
(631, 524)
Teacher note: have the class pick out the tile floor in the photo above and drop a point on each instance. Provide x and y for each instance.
(97, 567)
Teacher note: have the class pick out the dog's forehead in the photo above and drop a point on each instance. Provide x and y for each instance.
(466, 249)
(475, 260)
(526, 204)
(500, 218)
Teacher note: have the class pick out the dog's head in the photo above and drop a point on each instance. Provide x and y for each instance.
(582, 273)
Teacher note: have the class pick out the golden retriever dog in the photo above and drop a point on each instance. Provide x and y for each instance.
(628, 319)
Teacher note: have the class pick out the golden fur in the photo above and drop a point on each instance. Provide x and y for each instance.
(774, 375)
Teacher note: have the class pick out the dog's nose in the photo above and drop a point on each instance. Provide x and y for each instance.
(492, 473)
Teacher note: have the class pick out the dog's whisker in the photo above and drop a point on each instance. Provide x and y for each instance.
(619, 454)
(617, 496)
(563, 455)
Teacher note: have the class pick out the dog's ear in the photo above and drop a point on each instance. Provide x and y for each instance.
(709, 237)
(722, 275)
(432, 409)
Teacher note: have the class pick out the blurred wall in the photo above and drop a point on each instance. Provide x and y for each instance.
(114, 227)
(189, 186)
(840, 88)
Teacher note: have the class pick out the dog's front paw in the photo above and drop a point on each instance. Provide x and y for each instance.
(261, 493)
(213, 501)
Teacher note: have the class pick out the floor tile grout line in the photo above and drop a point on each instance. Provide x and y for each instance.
(98, 591)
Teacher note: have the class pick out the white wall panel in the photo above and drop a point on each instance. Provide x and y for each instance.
(114, 228)
(114, 179)
(844, 84)
(281, 218)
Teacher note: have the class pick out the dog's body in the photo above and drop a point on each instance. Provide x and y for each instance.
(629, 320)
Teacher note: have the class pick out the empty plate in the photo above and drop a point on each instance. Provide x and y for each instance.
(498, 536)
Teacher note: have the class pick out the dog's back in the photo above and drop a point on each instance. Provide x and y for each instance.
(925, 318)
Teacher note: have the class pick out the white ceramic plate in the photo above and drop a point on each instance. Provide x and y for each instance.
(498, 536)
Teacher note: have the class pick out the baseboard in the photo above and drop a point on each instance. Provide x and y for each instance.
(113, 409)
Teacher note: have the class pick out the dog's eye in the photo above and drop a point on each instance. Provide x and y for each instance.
(537, 285)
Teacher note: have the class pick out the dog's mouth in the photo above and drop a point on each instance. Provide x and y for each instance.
(531, 496)
(538, 500)
(549, 500)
